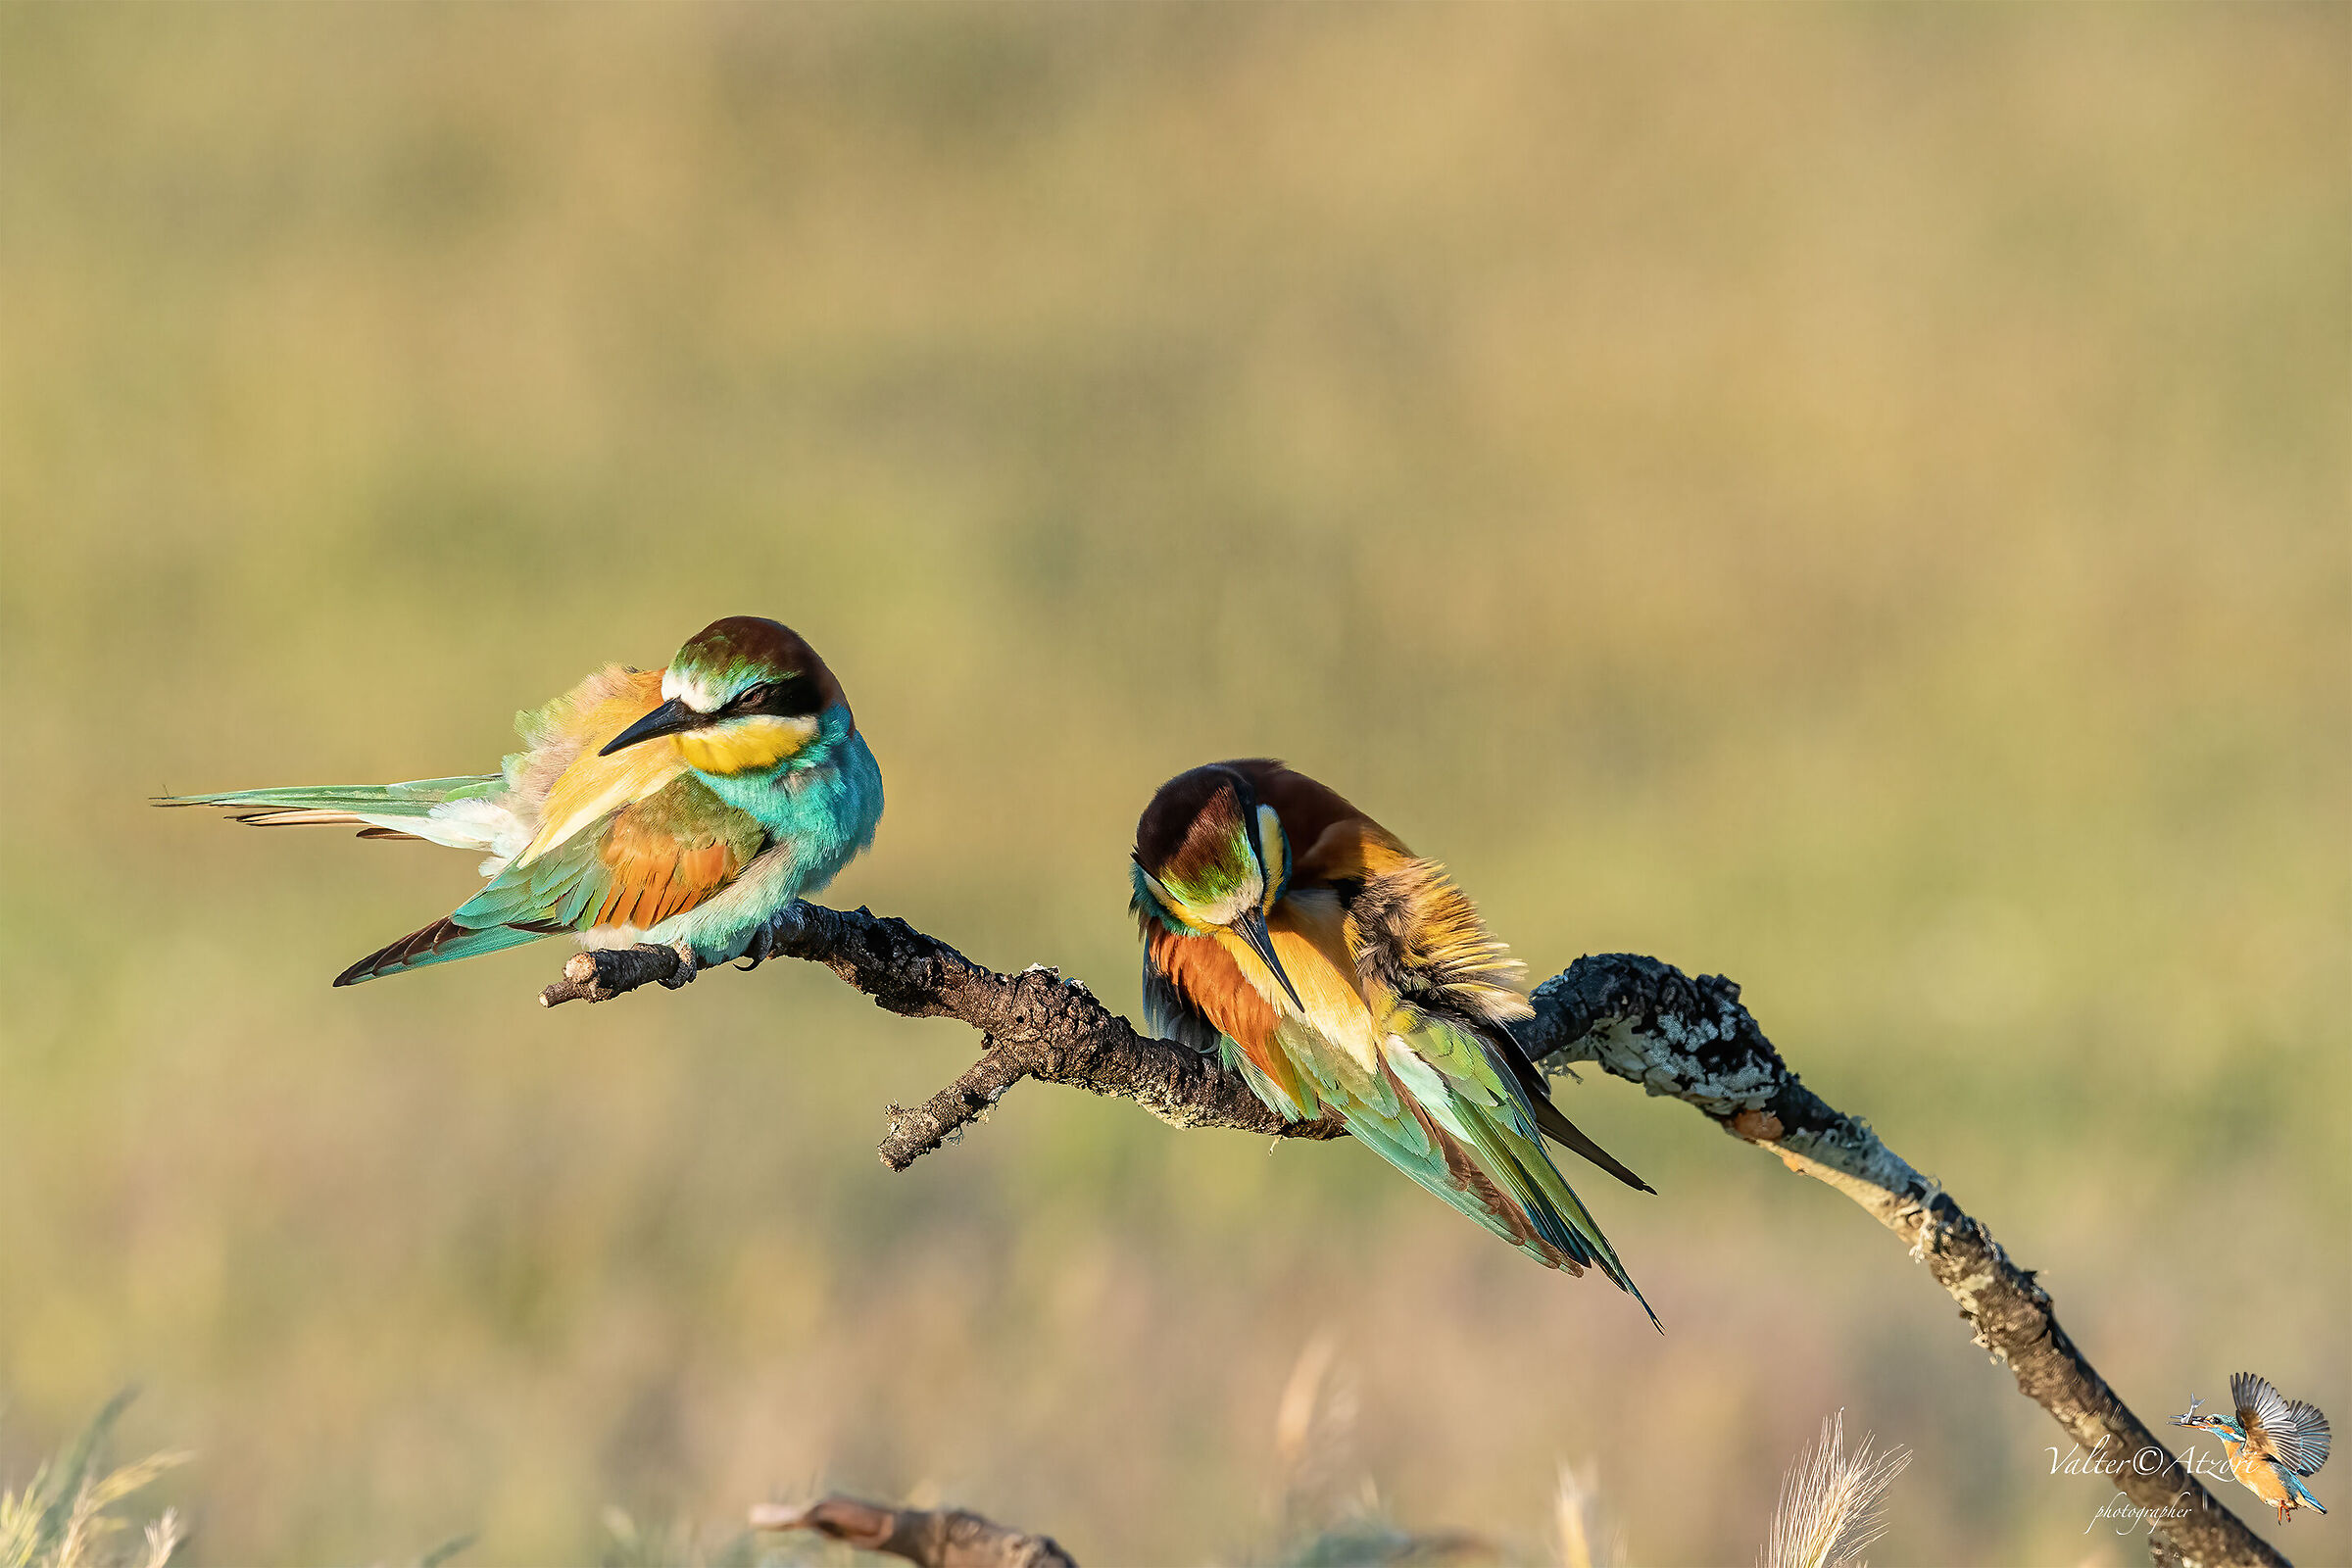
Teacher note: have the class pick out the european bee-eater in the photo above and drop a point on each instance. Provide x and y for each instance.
(1339, 973)
(683, 806)
(2272, 1446)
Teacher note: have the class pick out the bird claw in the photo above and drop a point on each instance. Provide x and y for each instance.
(756, 948)
(688, 966)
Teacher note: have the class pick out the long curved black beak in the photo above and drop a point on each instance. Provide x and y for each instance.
(667, 720)
(1252, 927)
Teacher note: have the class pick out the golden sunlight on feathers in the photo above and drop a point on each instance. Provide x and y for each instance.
(589, 785)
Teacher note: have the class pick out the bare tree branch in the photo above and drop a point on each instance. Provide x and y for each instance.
(944, 1538)
(1637, 1018)
(1033, 1024)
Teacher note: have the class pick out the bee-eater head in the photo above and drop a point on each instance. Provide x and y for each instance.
(1209, 857)
(744, 695)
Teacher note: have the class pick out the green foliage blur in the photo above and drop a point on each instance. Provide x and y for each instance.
(1852, 498)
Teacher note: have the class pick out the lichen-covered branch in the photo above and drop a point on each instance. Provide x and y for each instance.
(935, 1537)
(1650, 1024)
(1634, 1017)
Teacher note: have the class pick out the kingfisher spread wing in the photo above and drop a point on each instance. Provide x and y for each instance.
(1338, 972)
(2294, 1434)
(683, 806)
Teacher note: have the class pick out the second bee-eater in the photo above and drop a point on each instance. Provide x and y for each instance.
(682, 807)
(2272, 1445)
(1341, 974)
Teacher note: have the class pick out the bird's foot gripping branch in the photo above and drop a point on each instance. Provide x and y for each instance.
(1636, 1018)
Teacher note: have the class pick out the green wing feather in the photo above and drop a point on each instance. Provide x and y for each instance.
(521, 904)
(573, 885)
(1443, 991)
(1459, 1078)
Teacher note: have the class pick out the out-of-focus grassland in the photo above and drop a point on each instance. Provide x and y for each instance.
(1850, 498)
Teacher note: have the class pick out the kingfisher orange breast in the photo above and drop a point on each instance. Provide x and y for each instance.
(2254, 1472)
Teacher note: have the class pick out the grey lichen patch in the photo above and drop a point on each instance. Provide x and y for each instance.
(1650, 1024)
(1970, 1290)
(1669, 1061)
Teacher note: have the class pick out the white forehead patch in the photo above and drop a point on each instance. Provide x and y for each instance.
(693, 690)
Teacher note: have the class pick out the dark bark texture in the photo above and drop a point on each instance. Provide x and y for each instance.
(1033, 1024)
(1636, 1018)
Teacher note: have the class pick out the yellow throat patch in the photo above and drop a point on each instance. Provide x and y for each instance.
(745, 745)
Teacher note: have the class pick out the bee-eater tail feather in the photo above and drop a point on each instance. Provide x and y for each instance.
(1569, 1210)
(1552, 1205)
(458, 812)
(412, 799)
(440, 943)
(1491, 1165)
(1560, 1130)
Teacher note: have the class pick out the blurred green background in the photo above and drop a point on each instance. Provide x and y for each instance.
(1849, 498)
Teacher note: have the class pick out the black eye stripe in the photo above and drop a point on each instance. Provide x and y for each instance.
(788, 697)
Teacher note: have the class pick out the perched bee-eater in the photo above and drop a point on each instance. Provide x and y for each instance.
(681, 806)
(2272, 1446)
(1339, 973)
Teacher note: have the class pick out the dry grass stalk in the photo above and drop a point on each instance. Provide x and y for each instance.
(1832, 1502)
(1575, 1524)
(61, 1518)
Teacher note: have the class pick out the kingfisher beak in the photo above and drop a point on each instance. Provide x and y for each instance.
(667, 720)
(1252, 927)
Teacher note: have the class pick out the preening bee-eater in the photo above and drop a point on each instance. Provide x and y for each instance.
(683, 806)
(2272, 1446)
(1339, 973)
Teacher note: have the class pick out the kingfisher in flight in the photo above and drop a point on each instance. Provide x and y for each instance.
(684, 807)
(1340, 974)
(2272, 1444)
